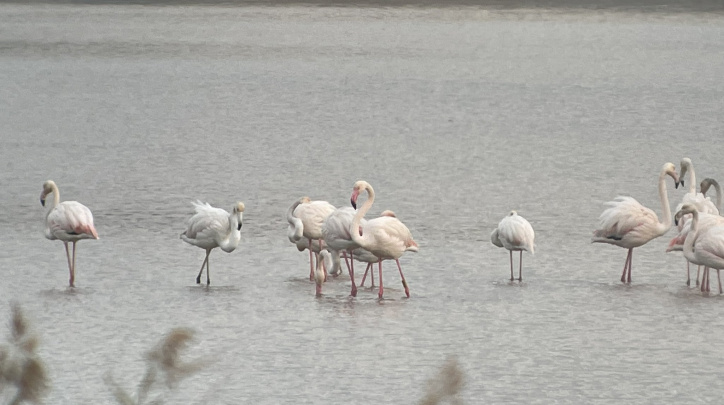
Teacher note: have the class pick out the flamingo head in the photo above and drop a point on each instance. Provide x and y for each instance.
(385, 213)
(325, 259)
(358, 187)
(238, 210)
(670, 170)
(48, 187)
(305, 200)
(685, 166)
(705, 184)
(685, 209)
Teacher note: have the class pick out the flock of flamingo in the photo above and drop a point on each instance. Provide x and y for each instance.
(331, 233)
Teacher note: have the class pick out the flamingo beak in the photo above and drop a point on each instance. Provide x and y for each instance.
(353, 199)
(42, 202)
(238, 228)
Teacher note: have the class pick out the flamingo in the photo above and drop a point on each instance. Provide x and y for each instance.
(703, 247)
(335, 232)
(700, 201)
(212, 227)
(311, 214)
(319, 275)
(706, 184)
(385, 237)
(365, 256)
(69, 221)
(296, 229)
(628, 224)
(514, 233)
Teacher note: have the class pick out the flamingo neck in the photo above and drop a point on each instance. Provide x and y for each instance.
(56, 199)
(693, 234)
(692, 180)
(666, 224)
(717, 188)
(354, 231)
(295, 234)
(231, 241)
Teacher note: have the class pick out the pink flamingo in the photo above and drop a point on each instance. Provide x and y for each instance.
(703, 247)
(514, 233)
(305, 219)
(628, 224)
(335, 232)
(385, 237)
(69, 221)
(212, 227)
(365, 256)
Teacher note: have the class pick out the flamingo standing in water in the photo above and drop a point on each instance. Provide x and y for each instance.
(365, 256)
(69, 221)
(385, 237)
(212, 227)
(628, 224)
(306, 217)
(703, 247)
(700, 201)
(514, 233)
(335, 232)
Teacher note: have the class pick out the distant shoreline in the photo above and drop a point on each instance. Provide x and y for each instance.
(716, 6)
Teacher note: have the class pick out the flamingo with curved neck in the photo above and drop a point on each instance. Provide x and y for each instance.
(628, 224)
(704, 245)
(68, 221)
(708, 183)
(212, 227)
(385, 237)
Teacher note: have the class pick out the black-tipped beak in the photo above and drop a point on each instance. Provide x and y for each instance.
(676, 184)
(676, 221)
(238, 228)
(354, 204)
(42, 202)
(682, 183)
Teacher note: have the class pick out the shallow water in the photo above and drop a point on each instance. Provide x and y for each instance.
(454, 115)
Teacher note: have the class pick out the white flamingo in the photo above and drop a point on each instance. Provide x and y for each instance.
(312, 215)
(335, 232)
(212, 227)
(514, 233)
(365, 256)
(704, 247)
(68, 221)
(628, 224)
(700, 201)
(385, 237)
(325, 258)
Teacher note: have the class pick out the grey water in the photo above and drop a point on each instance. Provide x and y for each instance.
(456, 115)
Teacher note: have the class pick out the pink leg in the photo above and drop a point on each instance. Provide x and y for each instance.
(206, 260)
(520, 269)
(72, 274)
(708, 286)
(351, 275)
(688, 275)
(630, 262)
(404, 283)
(718, 277)
(365, 275)
(311, 262)
(511, 265)
(70, 265)
(703, 281)
(381, 289)
(625, 266)
(698, 268)
(346, 261)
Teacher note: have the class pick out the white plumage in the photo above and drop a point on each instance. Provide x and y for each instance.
(515, 234)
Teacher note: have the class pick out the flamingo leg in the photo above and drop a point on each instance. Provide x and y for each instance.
(698, 268)
(520, 268)
(372, 276)
(688, 276)
(311, 261)
(626, 265)
(511, 265)
(718, 277)
(361, 284)
(206, 260)
(324, 266)
(708, 286)
(705, 280)
(404, 283)
(72, 272)
(381, 288)
(351, 274)
(344, 254)
(70, 265)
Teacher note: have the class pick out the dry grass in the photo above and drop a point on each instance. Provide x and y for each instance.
(20, 367)
(446, 385)
(164, 368)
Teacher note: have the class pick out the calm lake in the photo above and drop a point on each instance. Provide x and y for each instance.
(456, 115)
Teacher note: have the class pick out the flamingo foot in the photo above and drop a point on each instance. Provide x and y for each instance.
(688, 282)
(354, 291)
(198, 279)
(407, 290)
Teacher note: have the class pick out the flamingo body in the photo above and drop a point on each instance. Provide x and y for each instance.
(703, 245)
(514, 233)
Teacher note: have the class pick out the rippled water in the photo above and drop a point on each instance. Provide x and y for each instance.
(454, 115)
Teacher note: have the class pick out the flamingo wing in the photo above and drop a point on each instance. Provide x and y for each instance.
(207, 222)
(701, 202)
(71, 218)
(515, 232)
(709, 247)
(626, 218)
